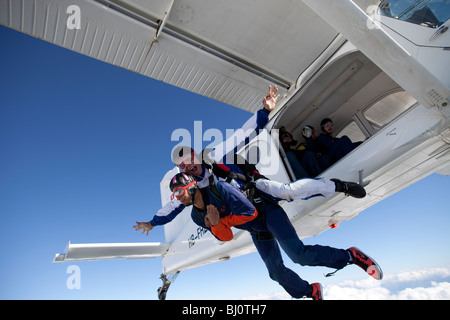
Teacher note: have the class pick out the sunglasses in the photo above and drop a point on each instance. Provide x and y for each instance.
(180, 191)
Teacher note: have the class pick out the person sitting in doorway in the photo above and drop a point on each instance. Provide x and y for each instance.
(303, 162)
(332, 149)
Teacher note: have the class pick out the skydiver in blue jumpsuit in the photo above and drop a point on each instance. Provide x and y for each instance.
(220, 206)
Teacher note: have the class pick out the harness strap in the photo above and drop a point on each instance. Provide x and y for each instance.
(198, 214)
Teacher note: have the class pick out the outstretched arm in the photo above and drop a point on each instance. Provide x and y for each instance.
(249, 129)
(144, 226)
(163, 216)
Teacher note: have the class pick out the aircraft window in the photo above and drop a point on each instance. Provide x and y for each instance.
(353, 132)
(427, 13)
(388, 108)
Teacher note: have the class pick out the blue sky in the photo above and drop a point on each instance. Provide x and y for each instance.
(83, 147)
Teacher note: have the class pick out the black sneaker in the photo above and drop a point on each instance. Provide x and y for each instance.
(366, 263)
(349, 188)
(316, 291)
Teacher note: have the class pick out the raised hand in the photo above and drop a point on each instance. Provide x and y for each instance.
(271, 99)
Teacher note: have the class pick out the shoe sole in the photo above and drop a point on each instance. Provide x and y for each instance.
(374, 270)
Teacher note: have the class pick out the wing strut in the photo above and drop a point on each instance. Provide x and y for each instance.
(163, 22)
(104, 251)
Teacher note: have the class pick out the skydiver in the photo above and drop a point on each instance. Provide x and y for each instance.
(269, 226)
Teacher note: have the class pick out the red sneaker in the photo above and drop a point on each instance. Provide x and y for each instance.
(316, 291)
(366, 263)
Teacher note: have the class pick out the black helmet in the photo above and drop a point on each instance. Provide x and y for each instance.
(322, 123)
(183, 179)
(283, 132)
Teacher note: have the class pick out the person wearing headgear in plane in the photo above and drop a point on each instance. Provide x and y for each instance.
(310, 135)
(303, 161)
(332, 148)
(220, 207)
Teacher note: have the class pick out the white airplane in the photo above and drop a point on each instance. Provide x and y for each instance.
(379, 69)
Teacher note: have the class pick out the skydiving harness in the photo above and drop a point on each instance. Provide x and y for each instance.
(256, 197)
(251, 193)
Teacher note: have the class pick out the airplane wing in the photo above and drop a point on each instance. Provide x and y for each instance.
(103, 251)
(227, 50)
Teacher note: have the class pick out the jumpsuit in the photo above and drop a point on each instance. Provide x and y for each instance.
(273, 221)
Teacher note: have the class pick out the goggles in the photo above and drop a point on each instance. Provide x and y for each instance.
(185, 160)
(180, 191)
